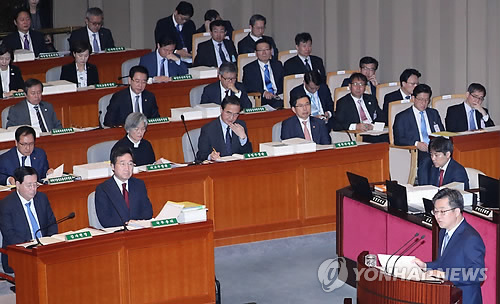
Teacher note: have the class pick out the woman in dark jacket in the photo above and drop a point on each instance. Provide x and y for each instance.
(80, 71)
(11, 80)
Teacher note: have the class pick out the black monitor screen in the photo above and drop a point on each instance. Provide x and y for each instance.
(396, 196)
(489, 191)
(360, 186)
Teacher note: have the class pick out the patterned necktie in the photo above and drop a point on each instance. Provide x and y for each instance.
(307, 135)
(95, 44)
(26, 42)
(137, 109)
(221, 53)
(34, 223)
(423, 127)
(441, 176)
(267, 79)
(125, 194)
(445, 242)
(162, 67)
(306, 63)
(316, 108)
(407, 97)
(23, 160)
(40, 120)
(362, 113)
(229, 148)
(179, 32)
(472, 125)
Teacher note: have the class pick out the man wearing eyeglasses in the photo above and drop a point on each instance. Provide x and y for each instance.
(368, 66)
(226, 86)
(24, 212)
(98, 37)
(23, 154)
(134, 99)
(216, 51)
(461, 248)
(469, 115)
(408, 80)
(225, 135)
(122, 198)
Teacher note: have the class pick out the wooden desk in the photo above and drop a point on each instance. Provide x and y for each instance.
(163, 265)
(248, 200)
(109, 65)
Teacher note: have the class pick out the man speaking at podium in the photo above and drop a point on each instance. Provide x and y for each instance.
(461, 249)
(24, 212)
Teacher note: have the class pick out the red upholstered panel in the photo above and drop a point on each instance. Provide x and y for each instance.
(400, 231)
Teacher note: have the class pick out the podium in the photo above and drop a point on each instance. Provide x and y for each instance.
(172, 264)
(375, 287)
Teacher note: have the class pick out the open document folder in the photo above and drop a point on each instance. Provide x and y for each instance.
(404, 268)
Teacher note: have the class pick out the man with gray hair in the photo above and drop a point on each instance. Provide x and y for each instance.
(461, 248)
(100, 38)
(226, 86)
(257, 28)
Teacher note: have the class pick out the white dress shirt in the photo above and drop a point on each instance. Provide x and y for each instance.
(91, 39)
(416, 113)
(216, 48)
(119, 184)
(34, 117)
(33, 210)
(5, 75)
(21, 37)
(368, 120)
(132, 97)
(483, 119)
(230, 93)
(262, 69)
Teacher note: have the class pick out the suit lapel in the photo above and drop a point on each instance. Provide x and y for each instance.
(354, 109)
(454, 238)
(116, 196)
(416, 133)
(314, 130)
(212, 52)
(19, 209)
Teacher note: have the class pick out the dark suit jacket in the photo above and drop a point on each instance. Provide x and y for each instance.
(165, 27)
(295, 65)
(390, 97)
(454, 173)
(227, 25)
(105, 37)
(291, 128)
(14, 224)
(347, 81)
(19, 115)
(465, 250)
(325, 97)
(205, 55)
(108, 195)
(406, 129)
(253, 82)
(247, 45)
(13, 42)
(212, 137)
(347, 112)
(120, 106)
(16, 79)
(68, 72)
(149, 62)
(9, 162)
(456, 119)
(212, 94)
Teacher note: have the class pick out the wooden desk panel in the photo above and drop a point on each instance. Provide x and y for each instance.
(479, 151)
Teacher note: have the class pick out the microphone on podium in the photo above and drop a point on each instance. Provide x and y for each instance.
(195, 162)
(387, 263)
(405, 251)
(67, 217)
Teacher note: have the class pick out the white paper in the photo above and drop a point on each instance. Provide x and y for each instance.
(169, 210)
(405, 267)
(58, 172)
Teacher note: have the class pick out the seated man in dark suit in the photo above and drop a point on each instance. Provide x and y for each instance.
(24, 37)
(216, 51)
(257, 28)
(162, 64)
(23, 212)
(409, 80)
(368, 66)
(303, 125)
(320, 96)
(444, 169)
(226, 86)
(80, 71)
(469, 115)
(413, 126)
(133, 99)
(212, 15)
(98, 37)
(23, 154)
(461, 248)
(265, 76)
(179, 26)
(122, 198)
(225, 135)
(304, 61)
(33, 110)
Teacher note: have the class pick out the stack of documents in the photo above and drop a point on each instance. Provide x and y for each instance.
(191, 212)
(203, 72)
(93, 170)
(188, 112)
(288, 146)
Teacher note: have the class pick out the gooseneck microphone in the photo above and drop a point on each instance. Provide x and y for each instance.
(121, 218)
(67, 217)
(195, 162)
(99, 120)
(405, 251)
(387, 263)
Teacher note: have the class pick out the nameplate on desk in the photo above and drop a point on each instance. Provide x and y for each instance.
(115, 49)
(377, 200)
(105, 85)
(427, 220)
(62, 131)
(61, 179)
(49, 55)
(158, 167)
(182, 77)
(157, 120)
(254, 110)
(484, 212)
(78, 236)
(161, 223)
(19, 94)
(254, 155)
(344, 144)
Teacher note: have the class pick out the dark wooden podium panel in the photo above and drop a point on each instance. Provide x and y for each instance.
(71, 149)
(248, 200)
(163, 265)
(109, 65)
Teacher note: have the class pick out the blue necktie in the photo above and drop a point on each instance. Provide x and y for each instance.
(423, 127)
(221, 53)
(34, 223)
(178, 27)
(137, 108)
(267, 79)
(315, 110)
(229, 149)
(23, 160)
(472, 125)
(445, 242)
(96, 45)
(162, 67)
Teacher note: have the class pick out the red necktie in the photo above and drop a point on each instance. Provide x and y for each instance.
(307, 135)
(125, 194)
(441, 175)
(362, 113)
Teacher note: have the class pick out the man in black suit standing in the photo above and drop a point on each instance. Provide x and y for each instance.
(24, 37)
(180, 26)
(264, 75)
(304, 61)
(469, 115)
(257, 29)
(133, 99)
(408, 80)
(216, 51)
(368, 66)
(100, 38)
